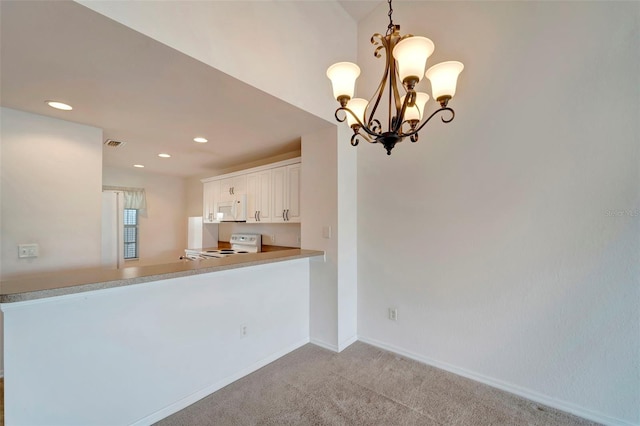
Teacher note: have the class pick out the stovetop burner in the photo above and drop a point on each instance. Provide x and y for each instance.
(240, 244)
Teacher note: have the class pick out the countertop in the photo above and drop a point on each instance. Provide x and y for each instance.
(81, 280)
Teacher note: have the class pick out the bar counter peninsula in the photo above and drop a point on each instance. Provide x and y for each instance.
(134, 345)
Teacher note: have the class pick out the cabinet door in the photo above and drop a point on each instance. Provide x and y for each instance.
(225, 190)
(210, 191)
(293, 192)
(230, 188)
(253, 197)
(279, 194)
(239, 185)
(264, 196)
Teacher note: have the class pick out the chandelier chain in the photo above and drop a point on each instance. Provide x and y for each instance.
(390, 27)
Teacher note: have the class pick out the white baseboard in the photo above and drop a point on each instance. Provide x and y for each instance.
(196, 396)
(325, 345)
(350, 341)
(335, 348)
(517, 390)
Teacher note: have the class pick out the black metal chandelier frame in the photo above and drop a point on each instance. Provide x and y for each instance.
(397, 126)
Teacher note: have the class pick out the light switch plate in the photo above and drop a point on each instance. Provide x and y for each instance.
(326, 231)
(28, 250)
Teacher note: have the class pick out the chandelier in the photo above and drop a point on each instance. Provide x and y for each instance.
(406, 59)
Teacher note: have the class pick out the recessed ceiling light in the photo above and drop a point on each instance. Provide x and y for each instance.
(138, 165)
(163, 155)
(200, 140)
(59, 105)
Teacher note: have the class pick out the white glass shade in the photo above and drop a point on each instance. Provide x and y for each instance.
(358, 106)
(411, 54)
(343, 78)
(416, 112)
(444, 78)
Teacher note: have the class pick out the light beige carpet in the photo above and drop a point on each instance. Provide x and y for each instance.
(362, 385)
(1, 402)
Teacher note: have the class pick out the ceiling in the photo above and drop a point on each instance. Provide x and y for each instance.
(139, 91)
(359, 9)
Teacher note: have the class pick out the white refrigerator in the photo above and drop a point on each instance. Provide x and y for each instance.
(112, 229)
(201, 235)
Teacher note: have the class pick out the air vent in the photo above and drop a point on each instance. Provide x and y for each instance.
(113, 144)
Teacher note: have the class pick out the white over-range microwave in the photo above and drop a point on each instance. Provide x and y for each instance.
(231, 210)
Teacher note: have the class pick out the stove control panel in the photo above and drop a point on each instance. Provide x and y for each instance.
(252, 242)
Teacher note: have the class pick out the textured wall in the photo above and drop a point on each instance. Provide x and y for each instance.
(508, 239)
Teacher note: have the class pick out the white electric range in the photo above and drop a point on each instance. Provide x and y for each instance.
(240, 244)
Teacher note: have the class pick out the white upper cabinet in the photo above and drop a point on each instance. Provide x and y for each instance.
(231, 187)
(259, 197)
(273, 192)
(286, 193)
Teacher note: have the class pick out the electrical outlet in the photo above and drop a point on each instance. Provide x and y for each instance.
(393, 314)
(28, 250)
(273, 238)
(244, 331)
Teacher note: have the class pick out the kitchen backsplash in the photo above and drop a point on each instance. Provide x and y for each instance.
(285, 234)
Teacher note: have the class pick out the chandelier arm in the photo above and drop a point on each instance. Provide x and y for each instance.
(375, 43)
(409, 98)
(375, 126)
(394, 94)
(383, 82)
(453, 115)
(360, 124)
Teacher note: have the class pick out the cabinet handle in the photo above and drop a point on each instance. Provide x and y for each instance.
(258, 215)
(287, 214)
(255, 216)
(283, 215)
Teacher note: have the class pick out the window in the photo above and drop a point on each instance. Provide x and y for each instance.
(131, 233)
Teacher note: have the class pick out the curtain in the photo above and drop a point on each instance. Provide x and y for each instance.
(134, 198)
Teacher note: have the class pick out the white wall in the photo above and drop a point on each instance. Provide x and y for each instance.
(119, 356)
(163, 230)
(319, 208)
(347, 235)
(194, 191)
(43, 199)
(226, 35)
(508, 239)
